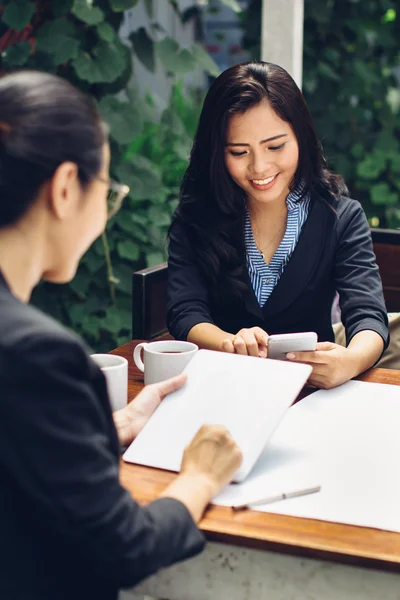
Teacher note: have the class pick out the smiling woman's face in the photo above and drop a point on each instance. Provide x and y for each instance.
(261, 154)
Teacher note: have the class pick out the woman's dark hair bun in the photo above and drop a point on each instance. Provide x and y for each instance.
(44, 121)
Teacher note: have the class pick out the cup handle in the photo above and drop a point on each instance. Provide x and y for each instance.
(137, 357)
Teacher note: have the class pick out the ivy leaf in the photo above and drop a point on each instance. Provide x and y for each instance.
(106, 32)
(105, 65)
(62, 7)
(381, 194)
(155, 258)
(143, 178)
(173, 58)
(18, 14)
(58, 39)
(148, 4)
(395, 162)
(123, 272)
(115, 320)
(86, 12)
(123, 118)
(233, 4)
(121, 5)
(372, 166)
(17, 54)
(129, 250)
(205, 60)
(324, 69)
(144, 48)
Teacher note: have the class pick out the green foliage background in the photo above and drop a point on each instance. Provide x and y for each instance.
(78, 39)
(351, 83)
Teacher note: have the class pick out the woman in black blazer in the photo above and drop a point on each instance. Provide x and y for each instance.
(264, 235)
(68, 528)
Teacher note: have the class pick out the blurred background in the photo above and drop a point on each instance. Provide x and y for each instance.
(148, 65)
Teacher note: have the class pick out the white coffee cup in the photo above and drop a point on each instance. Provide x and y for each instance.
(115, 369)
(164, 359)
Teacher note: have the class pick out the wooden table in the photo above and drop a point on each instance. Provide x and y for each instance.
(252, 552)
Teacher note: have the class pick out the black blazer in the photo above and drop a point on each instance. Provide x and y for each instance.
(334, 253)
(68, 529)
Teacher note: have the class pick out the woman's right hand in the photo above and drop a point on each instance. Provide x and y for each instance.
(251, 342)
(213, 455)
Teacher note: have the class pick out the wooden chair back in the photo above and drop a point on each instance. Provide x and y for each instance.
(149, 303)
(387, 251)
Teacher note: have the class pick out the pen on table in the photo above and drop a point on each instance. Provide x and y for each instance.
(277, 497)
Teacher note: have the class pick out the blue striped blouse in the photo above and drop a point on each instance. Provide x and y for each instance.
(264, 277)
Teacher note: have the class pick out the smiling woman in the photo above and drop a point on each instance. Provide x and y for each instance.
(264, 234)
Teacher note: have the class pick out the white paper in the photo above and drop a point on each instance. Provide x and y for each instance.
(348, 441)
(247, 395)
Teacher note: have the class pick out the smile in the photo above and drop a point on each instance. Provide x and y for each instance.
(263, 181)
(263, 185)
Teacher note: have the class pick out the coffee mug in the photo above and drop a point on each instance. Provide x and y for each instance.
(115, 370)
(162, 360)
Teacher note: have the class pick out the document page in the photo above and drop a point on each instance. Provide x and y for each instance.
(247, 395)
(348, 441)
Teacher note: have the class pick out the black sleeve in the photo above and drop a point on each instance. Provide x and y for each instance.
(357, 276)
(58, 441)
(188, 297)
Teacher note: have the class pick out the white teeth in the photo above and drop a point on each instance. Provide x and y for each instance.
(264, 181)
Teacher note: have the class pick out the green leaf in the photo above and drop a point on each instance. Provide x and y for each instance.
(381, 194)
(123, 118)
(106, 32)
(17, 54)
(115, 320)
(123, 272)
(173, 58)
(205, 60)
(372, 166)
(18, 13)
(155, 258)
(365, 72)
(105, 65)
(144, 48)
(233, 4)
(121, 5)
(129, 250)
(143, 178)
(324, 69)
(148, 4)
(86, 12)
(395, 164)
(58, 39)
(62, 7)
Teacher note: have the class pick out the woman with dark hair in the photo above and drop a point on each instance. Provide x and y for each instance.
(264, 235)
(68, 527)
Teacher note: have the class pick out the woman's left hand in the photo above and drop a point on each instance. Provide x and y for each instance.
(132, 418)
(332, 364)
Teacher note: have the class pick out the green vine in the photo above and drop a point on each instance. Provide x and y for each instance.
(79, 40)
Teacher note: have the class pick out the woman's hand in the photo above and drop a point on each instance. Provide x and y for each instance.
(251, 342)
(213, 456)
(332, 364)
(132, 418)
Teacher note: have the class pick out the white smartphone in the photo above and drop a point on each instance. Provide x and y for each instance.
(279, 345)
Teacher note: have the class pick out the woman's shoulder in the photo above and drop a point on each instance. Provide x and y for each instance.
(35, 338)
(348, 207)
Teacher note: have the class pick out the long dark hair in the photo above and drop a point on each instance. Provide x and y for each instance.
(44, 121)
(212, 205)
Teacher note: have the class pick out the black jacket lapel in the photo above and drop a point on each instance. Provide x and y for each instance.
(301, 266)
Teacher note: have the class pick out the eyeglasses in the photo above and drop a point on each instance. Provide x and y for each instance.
(116, 193)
